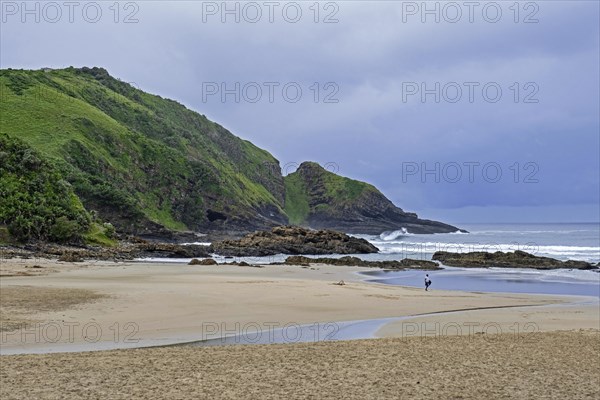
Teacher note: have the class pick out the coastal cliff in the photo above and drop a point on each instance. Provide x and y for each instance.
(320, 199)
(114, 160)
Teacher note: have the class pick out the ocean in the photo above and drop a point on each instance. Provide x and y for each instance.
(560, 241)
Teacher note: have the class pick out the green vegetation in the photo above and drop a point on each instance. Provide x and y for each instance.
(101, 234)
(343, 189)
(140, 161)
(312, 189)
(4, 235)
(35, 201)
(84, 154)
(296, 200)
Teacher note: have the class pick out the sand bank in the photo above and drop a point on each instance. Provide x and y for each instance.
(145, 304)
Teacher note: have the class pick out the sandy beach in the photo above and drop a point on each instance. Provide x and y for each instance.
(64, 307)
(142, 304)
(556, 365)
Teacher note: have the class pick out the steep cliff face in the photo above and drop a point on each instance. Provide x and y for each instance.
(319, 199)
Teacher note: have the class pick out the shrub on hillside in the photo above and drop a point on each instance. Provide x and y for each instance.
(36, 203)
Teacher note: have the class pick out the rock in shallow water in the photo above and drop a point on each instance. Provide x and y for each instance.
(518, 259)
(406, 263)
(207, 261)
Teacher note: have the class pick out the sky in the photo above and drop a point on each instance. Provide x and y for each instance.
(459, 111)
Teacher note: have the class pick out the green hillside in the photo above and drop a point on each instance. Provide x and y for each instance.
(318, 198)
(314, 190)
(139, 161)
(84, 154)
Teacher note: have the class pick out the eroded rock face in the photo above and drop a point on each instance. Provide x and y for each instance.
(403, 264)
(293, 240)
(518, 259)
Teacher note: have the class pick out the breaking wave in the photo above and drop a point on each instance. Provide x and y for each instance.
(387, 236)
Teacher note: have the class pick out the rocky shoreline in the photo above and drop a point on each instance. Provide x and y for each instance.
(293, 240)
(122, 252)
(290, 240)
(403, 264)
(279, 240)
(517, 259)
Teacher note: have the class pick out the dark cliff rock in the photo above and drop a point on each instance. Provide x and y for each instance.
(321, 199)
(518, 259)
(293, 240)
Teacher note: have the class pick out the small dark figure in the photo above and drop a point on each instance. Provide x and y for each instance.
(427, 282)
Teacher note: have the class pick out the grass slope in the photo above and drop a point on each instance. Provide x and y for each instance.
(312, 189)
(139, 160)
(296, 199)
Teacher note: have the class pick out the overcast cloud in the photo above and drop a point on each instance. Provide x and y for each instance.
(541, 134)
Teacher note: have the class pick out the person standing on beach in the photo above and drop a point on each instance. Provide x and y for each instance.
(427, 281)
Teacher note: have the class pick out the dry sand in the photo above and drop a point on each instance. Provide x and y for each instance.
(17, 303)
(561, 365)
(100, 305)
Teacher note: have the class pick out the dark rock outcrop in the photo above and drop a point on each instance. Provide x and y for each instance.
(70, 257)
(124, 251)
(206, 261)
(518, 259)
(406, 263)
(293, 240)
(168, 250)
